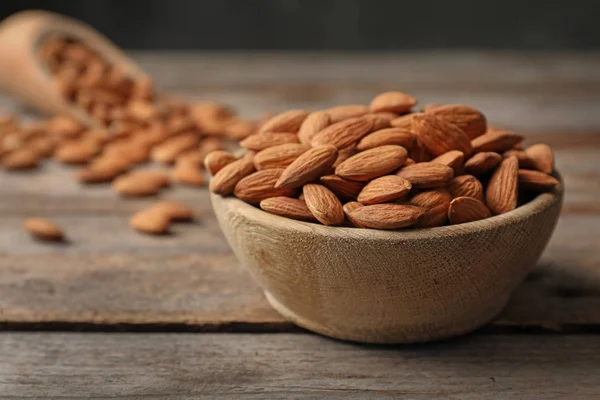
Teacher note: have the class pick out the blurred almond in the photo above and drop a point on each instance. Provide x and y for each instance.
(397, 136)
(453, 158)
(75, 152)
(396, 102)
(279, 156)
(497, 141)
(542, 156)
(439, 136)
(386, 216)
(189, 174)
(260, 185)
(308, 167)
(385, 189)
(167, 152)
(43, 229)
(150, 222)
(137, 185)
(467, 209)
(482, 163)
(287, 207)
(261, 141)
(372, 163)
(435, 204)
(501, 193)
(157, 177)
(427, 175)
(175, 211)
(469, 120)
(225, 180)
(314, 123)
(193, 157)
(466, 185)
(21, 159)
(323, 204)
(344, 133)
(340, 113)
(342, 188)
(239, 130)
(216, 160)
(102, 170)
(289, 121)
(524, 160)
(536, 181)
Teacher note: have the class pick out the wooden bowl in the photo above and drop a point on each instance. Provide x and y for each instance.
(22, 72)
(389, 286)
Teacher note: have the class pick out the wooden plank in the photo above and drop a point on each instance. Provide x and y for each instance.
(299, 366)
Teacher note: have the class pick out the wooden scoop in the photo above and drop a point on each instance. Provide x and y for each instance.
(23, 73)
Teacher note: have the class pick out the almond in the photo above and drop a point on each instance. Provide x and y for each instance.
(313, 124)
(469, 120)
(102, 170)
(427, 175)
(386, 216)
(419, 154)
(385, 189)
(239, 130)
(136, 186)
(343, 188)
(467, 209)
(372, 163)
(43, 229)
(20, 159)
(340, 113)
(542, 156)
(501, 194)
(466, 185)
(439, 136)
(524, 160)
(167, 152)
(279, 156)
(396, 102)
(75, 152)
(348, 209)
(287, 207)
(398, 136)
(174, 210)
(261, 185)
(435, 204)
(343, 155)
(193, 157)
(495, 140)
(151, 222)
(289, 121)
(308, 167)
(225, 180)
(323, 204)
(189, 174)
(404, 121)
(454, 159)
(216, 160)
(379, 121)
(536, 181)
(482, 163)
(159, 178)
(344, 133)
(261, 141)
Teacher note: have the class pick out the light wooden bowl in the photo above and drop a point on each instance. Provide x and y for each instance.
(384, 286)
(22, 72)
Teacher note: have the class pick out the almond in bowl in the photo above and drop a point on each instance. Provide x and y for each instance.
(394, 243)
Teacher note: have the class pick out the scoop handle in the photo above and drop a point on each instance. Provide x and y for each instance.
(22, 72)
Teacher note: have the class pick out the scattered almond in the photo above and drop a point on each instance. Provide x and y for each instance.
(189, 174)
(260, 185)
(323, 204)
(174, 211)
(287, 207)
(482, 163)
(150, 222)
(467, 209)
(542, 156)
(435, 204)
(427, 175)
(43, 229)
(137, 185)
(386, 216)
(216, 160)
(385, 189)
(466, 185)
(536, 181)
(372, 163)
(501, 194)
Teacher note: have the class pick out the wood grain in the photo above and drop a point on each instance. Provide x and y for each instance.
(284, 366)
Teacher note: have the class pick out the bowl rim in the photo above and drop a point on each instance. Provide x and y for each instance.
(540, 203)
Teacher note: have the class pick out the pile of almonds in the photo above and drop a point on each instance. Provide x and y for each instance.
(383, 166)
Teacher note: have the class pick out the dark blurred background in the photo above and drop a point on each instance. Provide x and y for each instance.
(335, 24)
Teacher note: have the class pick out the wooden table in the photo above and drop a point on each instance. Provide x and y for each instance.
(116, 313)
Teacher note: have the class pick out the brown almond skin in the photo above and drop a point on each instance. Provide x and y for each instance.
(542, 156)
(469, 120)
(225, 180)
(435, 203)
(167, 152)
(132, 186)
(427, 175)
(525, 161)
(21, 159)
(372, 163)
(313, 124)
(287, 207)
(264, 140)
(43, 229)
(261, 185)
(502, 191)
(482, 163)
(288, 121)
(102, 170)
(323, 204)
(348, 209)
(495, 140)
(75, 153)
(344, 133)
(439, 136)
(404, 121)
(467, 209)
(150, 222)
(308, 166)
(396, 102)
(174, 210)
(466, 185)
(340, 113)
(536, 181)
(279, 156)
(216, 160)
(397, 136)
(342, 188)
(387, 216)
(189, 174)
(385, 189)
(453, 158)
